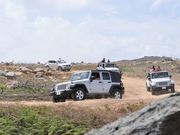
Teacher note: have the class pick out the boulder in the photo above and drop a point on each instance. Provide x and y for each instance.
(12, 84)
(11, 75)
(38, 70)
(161, 117)
(39, 75)
(25, 70)
(2, 73)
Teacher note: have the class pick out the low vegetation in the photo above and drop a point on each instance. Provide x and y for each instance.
(125, 69)
(62, 119)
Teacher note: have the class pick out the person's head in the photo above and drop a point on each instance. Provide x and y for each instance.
(153, 67)
(158, 66)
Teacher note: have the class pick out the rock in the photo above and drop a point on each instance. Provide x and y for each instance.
(18, 73)
(11, 75)
(175, 59)
(25, 70)
(161, 117)
(12, 84)
(2, 73)
(39, 74)
(47, 73)
(6, 70)
(38, 70)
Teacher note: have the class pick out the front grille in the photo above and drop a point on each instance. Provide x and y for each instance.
(61, 87)
(162, 83)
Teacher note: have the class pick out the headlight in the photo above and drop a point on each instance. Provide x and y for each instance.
(169, 82)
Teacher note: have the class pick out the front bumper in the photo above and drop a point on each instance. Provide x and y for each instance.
(163, 87)
(66, 67)
(63, 94)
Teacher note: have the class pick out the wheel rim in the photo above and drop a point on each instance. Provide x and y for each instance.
(79, 95)
(117, 95)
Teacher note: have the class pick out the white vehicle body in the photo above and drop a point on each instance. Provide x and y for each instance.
(58, 64)
(89, 83)
(109, 66)
(160, 80)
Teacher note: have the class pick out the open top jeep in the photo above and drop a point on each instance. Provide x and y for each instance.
(109, 66)
(160, 80)
(88, 84)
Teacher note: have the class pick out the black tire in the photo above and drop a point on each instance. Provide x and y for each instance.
(153, 91)
(55, 100)
(68, 69)
(60, 68)
(172, 90)
(78, 94)
(148, 88)
(62, 100)
(116, 94)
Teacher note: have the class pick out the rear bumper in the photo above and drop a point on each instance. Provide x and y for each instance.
(123, 90)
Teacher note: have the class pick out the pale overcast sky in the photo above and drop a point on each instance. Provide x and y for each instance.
(88, 30)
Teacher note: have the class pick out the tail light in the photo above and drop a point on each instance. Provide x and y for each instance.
(46, 63)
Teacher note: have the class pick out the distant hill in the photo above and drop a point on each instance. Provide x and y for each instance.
(144, 59)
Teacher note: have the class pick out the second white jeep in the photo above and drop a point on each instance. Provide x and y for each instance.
(160, 80)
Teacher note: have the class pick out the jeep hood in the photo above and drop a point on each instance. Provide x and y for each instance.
(161, 79)
(64, 83)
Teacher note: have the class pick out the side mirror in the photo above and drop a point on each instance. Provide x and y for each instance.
(92, 78)
(170, 76)
(148, 78)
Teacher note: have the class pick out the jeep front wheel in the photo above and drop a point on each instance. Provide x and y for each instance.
(153, 91)
(172, 90)
(78, 94)
(117, 94)
(148, 89)
(60, 68)
(55, 100)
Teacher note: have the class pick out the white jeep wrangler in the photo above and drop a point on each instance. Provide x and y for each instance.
(160, 80)
(89, 84)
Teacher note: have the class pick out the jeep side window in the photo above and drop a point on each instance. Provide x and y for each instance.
(96, 76)
(106, 76)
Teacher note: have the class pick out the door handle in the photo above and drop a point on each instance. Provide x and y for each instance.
(109, 82)
(100, 81)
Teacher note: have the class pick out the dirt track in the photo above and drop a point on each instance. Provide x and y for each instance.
(135, 91)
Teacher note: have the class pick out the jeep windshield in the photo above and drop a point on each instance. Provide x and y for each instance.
(160, 75)
(111, 65)
(61, 61)
(80, 76)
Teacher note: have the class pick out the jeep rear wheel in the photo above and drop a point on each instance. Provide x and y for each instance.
(117, 94)
(78, 94)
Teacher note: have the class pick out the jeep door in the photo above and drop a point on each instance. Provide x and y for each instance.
(96, 84)
(106, 82)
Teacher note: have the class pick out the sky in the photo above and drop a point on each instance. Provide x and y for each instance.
(34, 31)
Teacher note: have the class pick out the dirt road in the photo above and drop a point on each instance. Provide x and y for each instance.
(135, 91)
